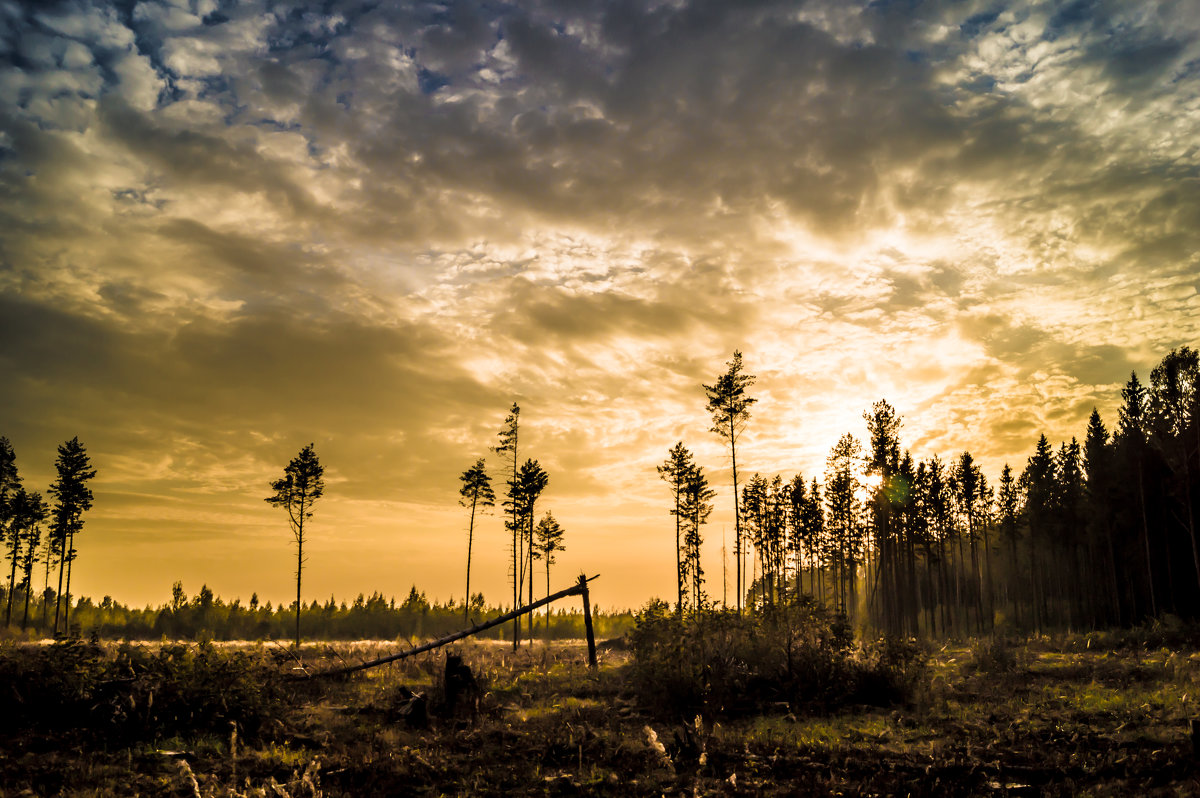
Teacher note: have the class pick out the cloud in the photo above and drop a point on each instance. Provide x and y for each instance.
(227, 230)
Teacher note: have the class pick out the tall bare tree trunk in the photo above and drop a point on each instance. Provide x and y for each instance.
(737, 516)
(67, 603)
(58, 597)
(299, 567)
(470, 540)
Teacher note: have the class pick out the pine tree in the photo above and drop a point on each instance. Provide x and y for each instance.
(72, 499)
(813, 523)
(507, 448)
(31, 515)
(296, 492)
(1099, 463)
(970, 488)
(476, 492)
(17, 510)
(883, 427)
(730, 409)
(10, 489)
(1008, 512)
(548, 539)
(754, 512)
(844, 517)
(695, 508)
(1132, 448)
(798, 534)
(1037, 487)
(1172, 396)
(675, 471)
(531, 481)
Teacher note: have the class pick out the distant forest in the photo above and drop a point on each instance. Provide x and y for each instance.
(1084, 534)
(207, 617)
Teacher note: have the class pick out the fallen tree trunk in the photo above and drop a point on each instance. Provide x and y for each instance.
(578, 589)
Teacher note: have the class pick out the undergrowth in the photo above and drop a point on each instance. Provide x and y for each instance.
(796, 657)
(128, 693)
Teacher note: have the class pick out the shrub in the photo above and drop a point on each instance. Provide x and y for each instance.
(135, 693)
(796, 655)
(994, 655)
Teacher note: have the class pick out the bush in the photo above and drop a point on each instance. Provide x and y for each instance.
(994, 656)
(135, 693)
(796, 655)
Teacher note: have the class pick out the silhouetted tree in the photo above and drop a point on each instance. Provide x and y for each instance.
(548, 539)
(1037, 487)
(937, 505)
(1008, 511)
(695, 508)
(730, 409)
(972, 498)
(21, 515)
(10, 483)
(31, 514)
(844, 517)
(531, 481)
(1133, 454)
(676, 470)
(753, 509)
(812, 525)
(296, 492)
(797, 496)
(1171, 403)
(72, 499)
(507, 448)
(476, 493)
(883, 428)
(1099, 462)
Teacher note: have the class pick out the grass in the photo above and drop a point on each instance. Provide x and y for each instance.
(1047, 717)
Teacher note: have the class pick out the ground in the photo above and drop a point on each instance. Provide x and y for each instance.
(1061, 716)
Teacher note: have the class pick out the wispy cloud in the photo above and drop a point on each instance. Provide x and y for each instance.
(230, 229)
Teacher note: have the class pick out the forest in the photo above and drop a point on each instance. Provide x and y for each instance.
(1082, 535)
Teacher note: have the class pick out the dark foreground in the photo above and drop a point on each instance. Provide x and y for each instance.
(1044, 718)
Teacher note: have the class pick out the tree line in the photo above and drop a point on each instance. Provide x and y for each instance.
(1090, 534)
(375, 617)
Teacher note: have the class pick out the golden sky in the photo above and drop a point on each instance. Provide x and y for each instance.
(230, 229)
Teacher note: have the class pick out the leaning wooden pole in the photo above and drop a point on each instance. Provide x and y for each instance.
(578, 589)
(587, 620)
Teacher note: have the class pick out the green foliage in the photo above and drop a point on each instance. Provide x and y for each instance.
(796, 655)
(136, 693)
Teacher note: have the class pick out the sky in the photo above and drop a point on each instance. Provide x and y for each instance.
(228, 230)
